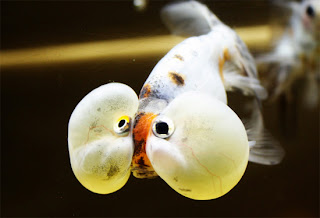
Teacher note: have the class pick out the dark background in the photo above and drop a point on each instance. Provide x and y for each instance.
(37, 101)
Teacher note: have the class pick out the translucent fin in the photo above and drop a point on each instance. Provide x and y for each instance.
(189, 18)
(294, 6)
(311, 91)
(248, 85)
(239, 69)
(264, 149)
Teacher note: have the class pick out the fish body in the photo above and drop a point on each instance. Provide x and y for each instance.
(181, 127)
(191, 65)
(212, 62)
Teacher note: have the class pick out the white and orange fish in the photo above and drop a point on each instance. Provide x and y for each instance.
(296, 56)
(181, 128)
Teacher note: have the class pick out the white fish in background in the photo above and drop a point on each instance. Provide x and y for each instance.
(140, 5)
(296, 55)
(183, 129)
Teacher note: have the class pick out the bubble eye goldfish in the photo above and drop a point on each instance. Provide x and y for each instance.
(181, 127)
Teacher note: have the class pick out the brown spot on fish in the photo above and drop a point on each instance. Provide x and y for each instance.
(179, 57)
(176, 78)
(145, 91)
(141, 166)
(141, 163)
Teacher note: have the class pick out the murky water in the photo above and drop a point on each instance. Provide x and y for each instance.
(37, 100)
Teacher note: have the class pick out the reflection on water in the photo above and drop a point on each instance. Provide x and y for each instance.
(37, 102)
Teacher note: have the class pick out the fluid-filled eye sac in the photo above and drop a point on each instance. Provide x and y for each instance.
(100, 144)
(208, 151)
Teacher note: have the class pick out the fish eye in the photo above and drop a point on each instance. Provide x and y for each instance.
(122, 125)
(163, 127)
(310, 11)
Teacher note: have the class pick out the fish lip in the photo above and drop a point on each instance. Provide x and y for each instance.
(143, 173)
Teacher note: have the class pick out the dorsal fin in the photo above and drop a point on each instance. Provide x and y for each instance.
(188, 18)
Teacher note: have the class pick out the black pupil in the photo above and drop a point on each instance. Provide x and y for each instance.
(162, 128)
(310, 11)
(121, 123)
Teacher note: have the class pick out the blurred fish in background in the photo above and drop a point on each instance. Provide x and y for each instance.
(296, 55)
(140, 5)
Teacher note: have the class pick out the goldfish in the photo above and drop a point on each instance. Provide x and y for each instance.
(295, 57)
(180, 127)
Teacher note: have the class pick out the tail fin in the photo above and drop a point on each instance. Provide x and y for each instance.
(188, 18)
(264, 149)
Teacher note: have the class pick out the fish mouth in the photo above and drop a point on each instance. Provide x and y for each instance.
(143, 173)
(141, 166)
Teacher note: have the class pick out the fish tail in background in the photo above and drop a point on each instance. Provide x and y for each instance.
(311, 91)
(294, 6)
(188, 18)
(264, 149)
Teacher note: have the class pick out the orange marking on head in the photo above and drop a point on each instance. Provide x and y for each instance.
(145, 91)
(141, 166)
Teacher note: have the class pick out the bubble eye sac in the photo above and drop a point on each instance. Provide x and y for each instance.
(163, 127)
(208, 152)
(310, 11)
(122, 125)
